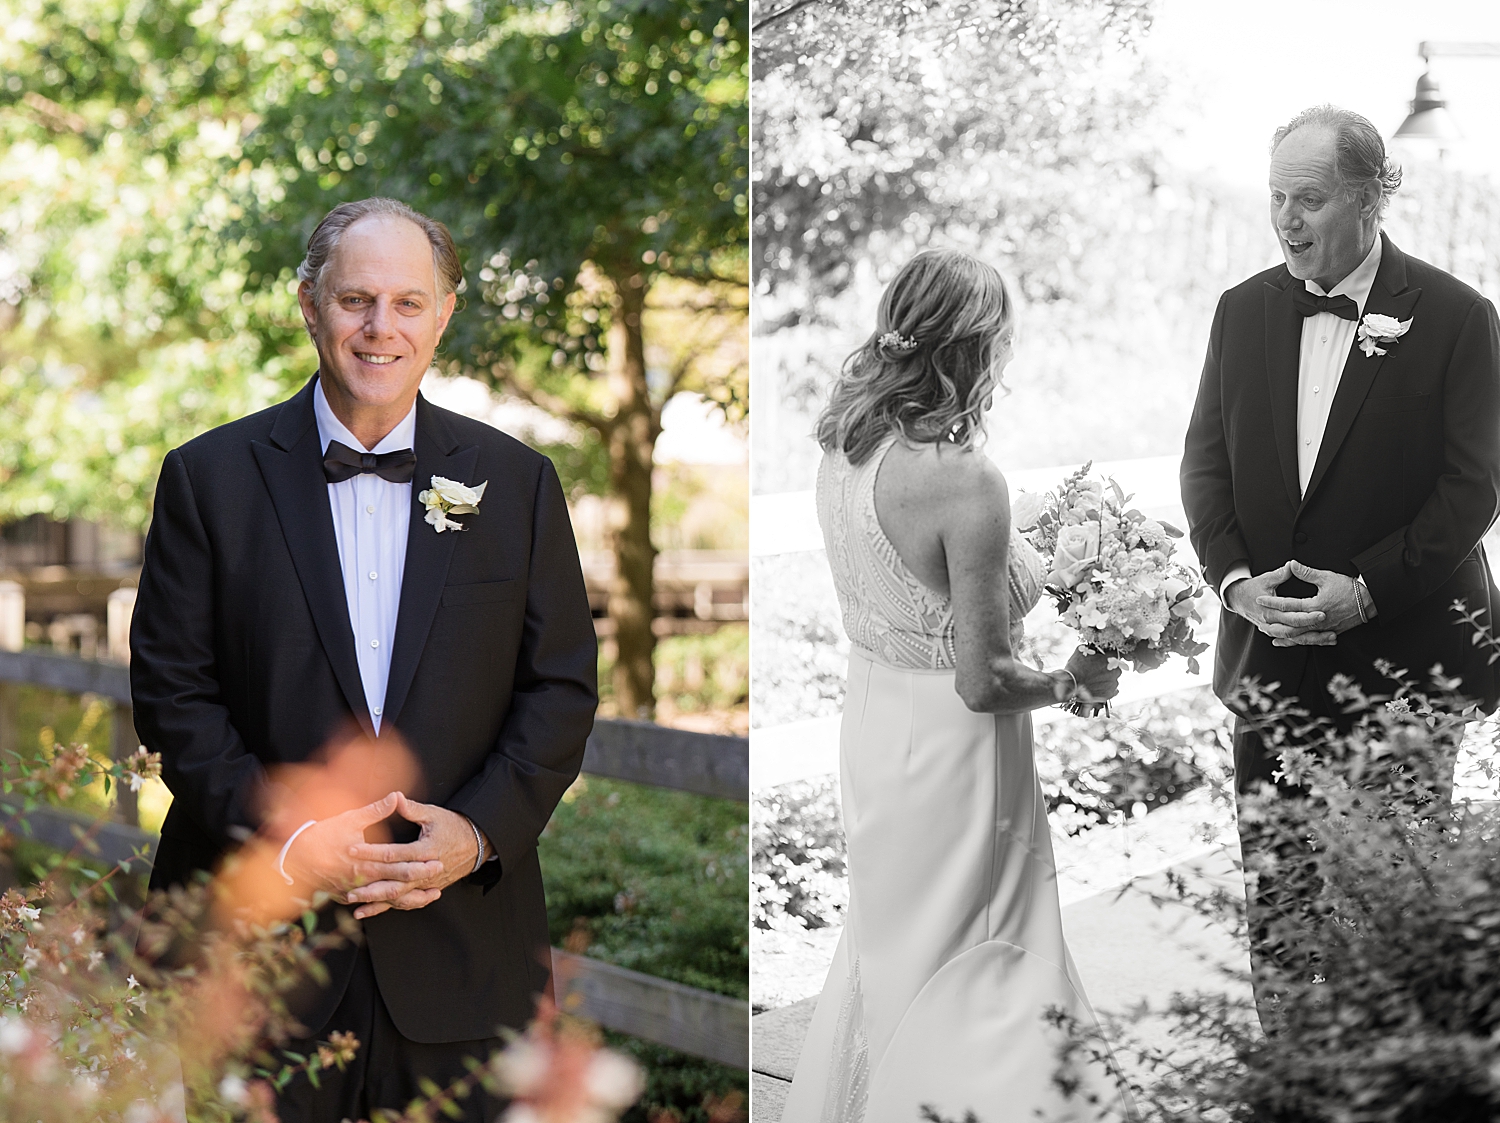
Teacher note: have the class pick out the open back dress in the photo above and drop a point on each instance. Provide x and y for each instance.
(952, 979)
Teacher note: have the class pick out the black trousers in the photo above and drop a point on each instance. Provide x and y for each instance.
(388, 1068)
(1278, 906)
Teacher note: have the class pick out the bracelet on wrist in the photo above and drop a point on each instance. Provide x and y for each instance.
(287, 845)
(1064, 692)
(478, 844)
(1359, 602)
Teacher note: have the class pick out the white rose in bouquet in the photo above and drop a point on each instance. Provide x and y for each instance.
(1077, 551)
(1025, 508)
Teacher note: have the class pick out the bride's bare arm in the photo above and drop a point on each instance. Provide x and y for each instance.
(975, 530)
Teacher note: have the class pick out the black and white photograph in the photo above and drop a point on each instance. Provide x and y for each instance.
(1125, 451)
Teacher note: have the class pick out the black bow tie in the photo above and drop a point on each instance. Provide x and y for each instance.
(1310, 305)
(342, 463)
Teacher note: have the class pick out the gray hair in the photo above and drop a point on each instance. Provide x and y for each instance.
(449, 274)
(1359, 150)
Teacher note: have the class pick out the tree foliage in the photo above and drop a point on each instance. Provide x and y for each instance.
(165, 160)
(895, 119)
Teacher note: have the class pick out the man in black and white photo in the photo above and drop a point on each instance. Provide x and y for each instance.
(1343, 459)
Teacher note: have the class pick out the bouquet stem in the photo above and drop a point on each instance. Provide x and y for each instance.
(1087, 709)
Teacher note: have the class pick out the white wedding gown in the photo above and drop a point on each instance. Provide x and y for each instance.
(952, 953)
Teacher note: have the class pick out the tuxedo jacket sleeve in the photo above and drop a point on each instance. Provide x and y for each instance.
(540, 746)
(180, 704)
(1413, 560)
(1207, 475)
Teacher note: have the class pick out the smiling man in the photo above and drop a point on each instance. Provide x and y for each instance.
(1343, 458)
(293, 590)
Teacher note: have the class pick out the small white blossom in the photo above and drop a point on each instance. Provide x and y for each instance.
(521, 1113)
(614, 1080)
(15, 1035)
(232, 1089)
(521, 1067)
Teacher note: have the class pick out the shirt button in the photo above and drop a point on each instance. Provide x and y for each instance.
(374, 643)
(1316, 389)
(1323, 340)
(370, 510)
(377, 710)
(372, 575)
(1308, 441)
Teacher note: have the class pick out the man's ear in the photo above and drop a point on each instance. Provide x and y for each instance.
(309, 306)
(445, 312)
(1369, 200)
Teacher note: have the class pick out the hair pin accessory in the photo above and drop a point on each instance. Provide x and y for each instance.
(895, 341)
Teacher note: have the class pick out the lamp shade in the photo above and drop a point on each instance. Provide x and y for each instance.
(1429, 118)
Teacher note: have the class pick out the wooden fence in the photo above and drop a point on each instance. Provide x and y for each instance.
(684, 1018)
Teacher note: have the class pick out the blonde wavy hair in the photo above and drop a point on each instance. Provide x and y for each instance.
(930, 363)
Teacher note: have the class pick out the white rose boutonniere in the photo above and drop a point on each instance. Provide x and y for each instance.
(1375, 329)
(448, 497)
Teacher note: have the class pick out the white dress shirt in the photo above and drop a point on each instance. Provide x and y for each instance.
(1326, 342)
(371, 519)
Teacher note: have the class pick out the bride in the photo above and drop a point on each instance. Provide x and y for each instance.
(952, 967)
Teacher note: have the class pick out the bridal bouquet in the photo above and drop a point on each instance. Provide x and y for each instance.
(1113, 578)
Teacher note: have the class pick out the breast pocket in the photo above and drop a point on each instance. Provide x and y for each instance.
(480, 592)
(1390, 407)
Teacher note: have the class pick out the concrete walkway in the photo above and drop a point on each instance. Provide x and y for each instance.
(1133, 944)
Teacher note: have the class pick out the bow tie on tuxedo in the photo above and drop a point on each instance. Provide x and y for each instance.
(342, 463)
(1343, 307)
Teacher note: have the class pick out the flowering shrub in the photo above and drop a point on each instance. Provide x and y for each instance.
(798, 854)
(1385, 980)
(100, 1021)
(1096, 770)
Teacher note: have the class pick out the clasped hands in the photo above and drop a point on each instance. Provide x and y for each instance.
(332, 855)
(1293, 621)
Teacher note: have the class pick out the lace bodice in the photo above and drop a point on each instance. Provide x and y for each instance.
(886, 610)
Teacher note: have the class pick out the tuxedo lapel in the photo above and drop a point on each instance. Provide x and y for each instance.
(1389, 296)
(292, 466)
(1283, 357)
(427, 552)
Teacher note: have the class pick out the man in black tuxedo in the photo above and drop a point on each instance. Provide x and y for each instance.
(295, 585)
(1340, 470)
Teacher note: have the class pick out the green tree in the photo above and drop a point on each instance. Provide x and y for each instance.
(590, 157)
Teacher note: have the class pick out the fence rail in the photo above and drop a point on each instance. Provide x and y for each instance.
(684, 1018)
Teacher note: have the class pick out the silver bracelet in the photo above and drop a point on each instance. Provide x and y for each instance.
(287, 845)
(1359, 602)
(478, 844)
(1072, 691)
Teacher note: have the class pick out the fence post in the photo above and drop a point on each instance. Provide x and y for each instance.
(123, 738)
(12, 638)
(120, 609)
(123, 741)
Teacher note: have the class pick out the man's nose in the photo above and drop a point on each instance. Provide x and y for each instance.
(378, 319)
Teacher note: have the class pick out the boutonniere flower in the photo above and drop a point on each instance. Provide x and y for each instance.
(448, 497)
(1375, 329)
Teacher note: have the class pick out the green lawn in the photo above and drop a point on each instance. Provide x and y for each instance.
(657, 881)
